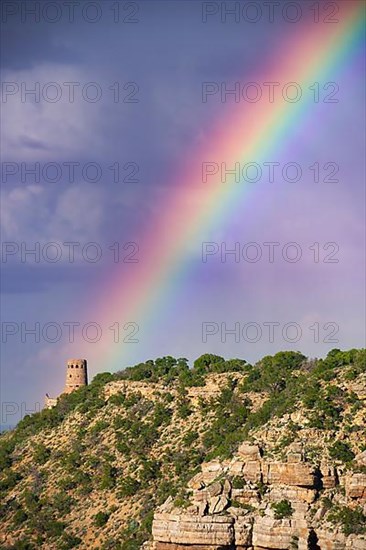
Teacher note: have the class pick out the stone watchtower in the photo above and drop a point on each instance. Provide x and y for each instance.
(76, 375)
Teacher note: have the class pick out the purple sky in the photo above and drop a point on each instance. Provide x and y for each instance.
(168, 53)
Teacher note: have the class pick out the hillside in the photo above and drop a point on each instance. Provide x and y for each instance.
(226, 454)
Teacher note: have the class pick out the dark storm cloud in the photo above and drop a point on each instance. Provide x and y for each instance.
(25, 46)
(27, 279)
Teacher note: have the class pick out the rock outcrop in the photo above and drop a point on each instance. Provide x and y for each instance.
(255, 503)
(355, 485)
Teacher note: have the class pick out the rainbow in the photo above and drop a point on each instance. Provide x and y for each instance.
(248, 132)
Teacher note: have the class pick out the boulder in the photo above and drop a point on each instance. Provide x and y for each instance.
(226, 489)
(203, 479)
(197, 482)
(249, 452)
(217, 504)
(214, 489)
(167, 506)
(236, 467)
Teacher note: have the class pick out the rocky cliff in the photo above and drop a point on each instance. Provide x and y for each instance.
(220, 455)
(250, 502)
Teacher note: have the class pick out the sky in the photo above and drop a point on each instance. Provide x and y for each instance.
(120, 106)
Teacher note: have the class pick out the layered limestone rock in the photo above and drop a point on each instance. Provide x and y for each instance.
(297, 474)
(213, 530)
(329, 476)
(252, 503)
(279, 533)
(355, 486)
(293, 494)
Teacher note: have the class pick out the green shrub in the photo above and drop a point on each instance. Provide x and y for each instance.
(164, 368)
(272, 373)
(69, 541)
(98, 427)
(190, 437)
(108, 476)
(353, 521)
(282, 509)
(162, 415)
(184, 409)
(180, 502)
(238, 482)
(341, 451)
(327, 503)
(41, 453)
(101, 519)
(22, 544)
(62, 503)
(10, 479)
(128, 486)
(6, 450)
(150, 470)
(19, 517)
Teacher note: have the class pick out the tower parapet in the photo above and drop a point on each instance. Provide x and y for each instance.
(76, 375)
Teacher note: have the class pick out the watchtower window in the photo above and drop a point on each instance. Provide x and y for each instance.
(76, 366)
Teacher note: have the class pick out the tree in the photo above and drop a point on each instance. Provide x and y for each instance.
(207, 362)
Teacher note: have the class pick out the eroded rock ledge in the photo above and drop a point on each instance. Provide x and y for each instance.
(254, 503)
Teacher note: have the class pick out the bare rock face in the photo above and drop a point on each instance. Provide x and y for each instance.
(243, 532)
(356, 543)
(361, 458)
(295, 453)
(291, 493)
(236, 467)
(337, 541)
(247, 496)
(355, 486)
(277, 533)
(226, 489)
(173, 546)
(329, 475)
(248, 463)
(252, 471)
(299, 474)
(215, 530)
(213, 466)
